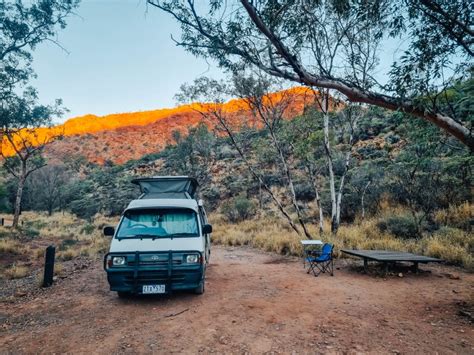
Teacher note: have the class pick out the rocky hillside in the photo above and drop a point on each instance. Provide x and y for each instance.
(119, 138)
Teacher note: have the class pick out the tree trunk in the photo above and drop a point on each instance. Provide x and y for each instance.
(312, 177)
(341, 187)
(363, 197)
(327, 150)
(321, 215)
(257, 176)
(19, 194)
(291, 187)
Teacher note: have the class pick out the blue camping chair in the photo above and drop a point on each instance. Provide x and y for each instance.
(322, 261)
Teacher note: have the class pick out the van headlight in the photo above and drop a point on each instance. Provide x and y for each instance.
(119, 260)
(192, 259)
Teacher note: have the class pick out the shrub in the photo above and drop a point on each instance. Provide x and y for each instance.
(401, 226)
(16, 272)
(88, 229)
(456, 216)
(68, 254)
(238, 209)
(10, 246)
(305, 192)
(30, 232)
(66, 243)
(212, 197)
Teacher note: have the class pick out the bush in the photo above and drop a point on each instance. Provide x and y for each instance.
(212, 197)
(16, 272)
(304, 192)
(402, 226)
(88, 229)
(30, 232)
(238, 209)
(456, 216)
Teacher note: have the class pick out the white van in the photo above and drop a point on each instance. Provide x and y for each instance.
(162, 242)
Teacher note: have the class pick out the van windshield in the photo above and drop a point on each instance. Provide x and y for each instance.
(158, 223)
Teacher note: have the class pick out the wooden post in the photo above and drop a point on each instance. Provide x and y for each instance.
(49, 266)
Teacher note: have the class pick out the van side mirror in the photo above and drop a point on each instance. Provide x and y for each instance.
(207, 229)
(109, 231)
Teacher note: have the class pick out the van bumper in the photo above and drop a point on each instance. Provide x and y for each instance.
(131, 279)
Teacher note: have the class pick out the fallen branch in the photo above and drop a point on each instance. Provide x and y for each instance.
(176, 314)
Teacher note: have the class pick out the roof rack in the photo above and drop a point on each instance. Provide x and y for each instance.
(169, 187)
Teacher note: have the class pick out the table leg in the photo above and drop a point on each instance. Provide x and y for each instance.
(415, 267)
(365, 265)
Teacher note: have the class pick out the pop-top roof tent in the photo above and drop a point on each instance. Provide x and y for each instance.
(171, 187)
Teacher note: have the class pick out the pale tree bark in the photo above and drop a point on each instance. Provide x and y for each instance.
(353, 125)
(317, 199)
(329, 162)
(362, 198)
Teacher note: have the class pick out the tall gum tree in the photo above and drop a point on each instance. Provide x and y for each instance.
(23, 26)
(289, 40)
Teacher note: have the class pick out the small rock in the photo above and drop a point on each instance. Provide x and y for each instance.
(20, 294)
(400, 275)
(454, 277)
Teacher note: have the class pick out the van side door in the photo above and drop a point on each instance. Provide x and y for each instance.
(207, 237)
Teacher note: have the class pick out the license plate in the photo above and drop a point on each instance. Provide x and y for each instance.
(153, 289)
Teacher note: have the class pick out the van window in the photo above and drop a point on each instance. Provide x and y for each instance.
(160, 223)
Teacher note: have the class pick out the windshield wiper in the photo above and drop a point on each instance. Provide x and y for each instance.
(182, 235)
(154, 236)
(140, 236)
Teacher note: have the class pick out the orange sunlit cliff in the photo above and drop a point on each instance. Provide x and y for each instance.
(125, 136)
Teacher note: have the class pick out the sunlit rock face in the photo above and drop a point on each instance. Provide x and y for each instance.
(124, 136)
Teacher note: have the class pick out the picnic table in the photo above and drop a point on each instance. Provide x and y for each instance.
(387, 256)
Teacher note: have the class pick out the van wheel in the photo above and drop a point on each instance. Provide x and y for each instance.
(122, 294)
(200, 289)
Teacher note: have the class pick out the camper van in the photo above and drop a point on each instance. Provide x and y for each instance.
(162, 242)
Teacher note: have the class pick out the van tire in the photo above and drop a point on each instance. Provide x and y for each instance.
(122, 294)
(200, 289)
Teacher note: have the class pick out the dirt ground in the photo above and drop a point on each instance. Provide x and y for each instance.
(254, 303)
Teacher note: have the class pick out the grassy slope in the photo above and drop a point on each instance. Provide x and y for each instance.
(451, 244)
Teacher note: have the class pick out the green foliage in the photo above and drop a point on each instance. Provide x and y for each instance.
(238, 209)
(30, 232)
(402, 226)
(88, 229)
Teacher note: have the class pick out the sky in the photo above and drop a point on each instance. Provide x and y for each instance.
(120, 58)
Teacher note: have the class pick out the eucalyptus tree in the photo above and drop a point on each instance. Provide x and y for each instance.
(22, 145)
(214, 93)
(23, 26)
(289, 39)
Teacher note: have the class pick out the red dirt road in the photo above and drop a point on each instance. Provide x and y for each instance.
(254, 303)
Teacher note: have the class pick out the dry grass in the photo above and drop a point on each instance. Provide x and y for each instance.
(456, 216)
(72, 237)
(9, 245)
(271, 234)
(16, 272)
